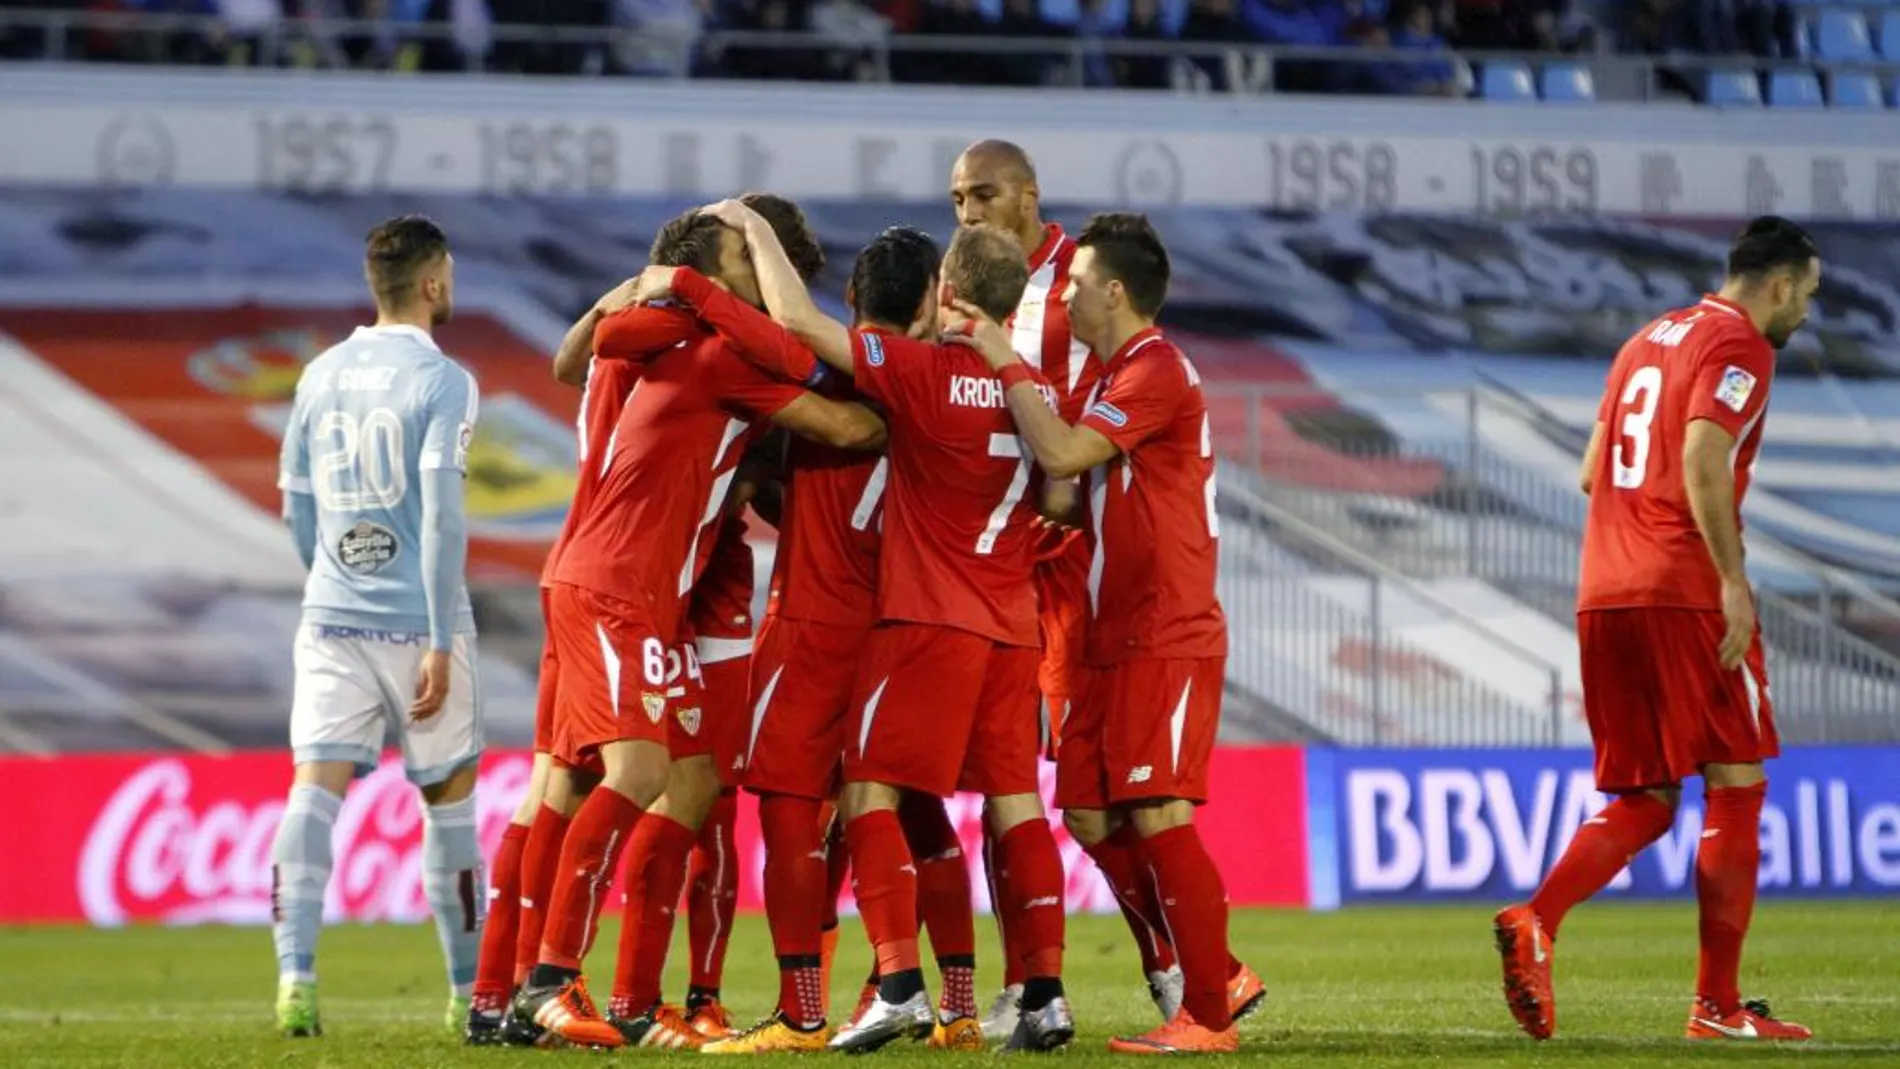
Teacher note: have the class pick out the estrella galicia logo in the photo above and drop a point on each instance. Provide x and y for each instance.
(873, 350)
(1113, 416)
(367, 548)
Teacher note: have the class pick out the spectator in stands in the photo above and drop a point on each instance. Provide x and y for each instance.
(959, 18)
(537, 55)
(1417, 31)
(659, 37)
(1142, 71)
(1308, 23)
(769, 16)
(1023, 18)
(1213, 21)
(858, 30)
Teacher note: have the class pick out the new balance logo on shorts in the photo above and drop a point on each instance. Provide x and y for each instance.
(1141, 773)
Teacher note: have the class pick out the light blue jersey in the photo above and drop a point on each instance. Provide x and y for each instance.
(378, 418)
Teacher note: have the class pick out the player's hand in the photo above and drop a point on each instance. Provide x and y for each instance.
(432, 685)
(731, 212)
(1738, 612)
(653, 284)
(965, 324)
(621, 296)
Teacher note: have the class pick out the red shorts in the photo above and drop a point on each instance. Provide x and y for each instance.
(802, 673)
(725, 669)
(1139, 730)
(1062, 592)
(687, 733)
(545, 684)
(1659, 703)
(612, 678)
(940, 709)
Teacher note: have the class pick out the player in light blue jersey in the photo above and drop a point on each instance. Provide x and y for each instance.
(373, 464)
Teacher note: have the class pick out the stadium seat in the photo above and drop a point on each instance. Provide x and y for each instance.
(1506, 81)
(1734, 89)
(1890, 33)
(1854, 89)
(1794, 89)
(1841, 35)
(1569, 83)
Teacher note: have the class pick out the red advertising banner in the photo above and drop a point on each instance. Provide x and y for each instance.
(179, 839)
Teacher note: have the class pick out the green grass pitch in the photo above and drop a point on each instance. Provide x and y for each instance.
(1365, 988)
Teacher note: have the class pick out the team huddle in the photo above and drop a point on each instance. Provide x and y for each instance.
(994, 492)
(939, 621)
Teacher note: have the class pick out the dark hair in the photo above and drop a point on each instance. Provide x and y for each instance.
(893, 276)
(1770, 243)
(986, 267)
(1128, 250)
(690, 240)
(794, 234)
(396, 251)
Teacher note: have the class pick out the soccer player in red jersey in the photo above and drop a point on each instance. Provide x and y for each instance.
(623, 335)
(956, 633)
(1674, 682)
(819, 613)
(1136, 748)
(720, 617)
(616, 607)
(994, 184)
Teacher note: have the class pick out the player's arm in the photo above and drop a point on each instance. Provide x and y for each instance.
(761, 341)
(1587, 476)
(841, 424)
(1062, 501)
(293, 478)
(760, 482)
(1062, 451)
(1728, 396)
(577, 346)
(443, 464)
(784, 292)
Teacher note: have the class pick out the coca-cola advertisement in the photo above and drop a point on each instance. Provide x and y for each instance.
(185, 839)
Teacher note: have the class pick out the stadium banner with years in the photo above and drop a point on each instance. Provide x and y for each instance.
(501, 136)
(180, 839)
(1487, 824)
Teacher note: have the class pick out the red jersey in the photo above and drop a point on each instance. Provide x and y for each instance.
(958, 546)
(826, 567)
(721, 605)
(1039, 331)
(1151, 583)
(623, 341)
(673, 455)
(1641, 546)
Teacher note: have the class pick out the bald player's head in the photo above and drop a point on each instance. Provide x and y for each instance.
(993, 184)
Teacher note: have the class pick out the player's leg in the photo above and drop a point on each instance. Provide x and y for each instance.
(612, 708)
(561, 796)
(1111, 842)
(495, 970)
(656, 863)
(1003, 763)
(1161, 719)
(440, 756)
(712, 878)
(1728, 734)
(1624, 695)
(336, 732)
(916, 701)
(944, 911)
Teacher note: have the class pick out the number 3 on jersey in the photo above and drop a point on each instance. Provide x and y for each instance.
(1629, 458)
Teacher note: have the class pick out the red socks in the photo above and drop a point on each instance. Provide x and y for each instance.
(1727, 863)
(795, 873)
(1602, 847)
(583, 873)
(1034, 910)
(886, 880)
(656, 873)
(495, 968)
(1015, 970)
(1194, 905)
(943, 899)
(539, 854)
(712, 891)
(1120, 861)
